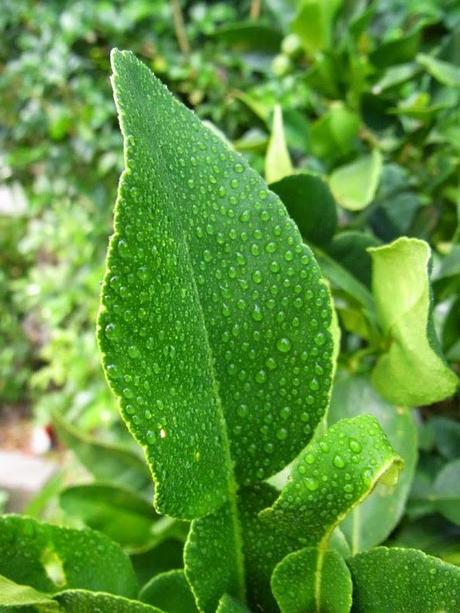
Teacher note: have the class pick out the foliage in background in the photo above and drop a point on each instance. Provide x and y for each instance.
(361, 99)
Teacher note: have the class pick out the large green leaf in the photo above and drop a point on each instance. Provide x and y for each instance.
(299, 587)
(389, 580)
(51, 558)
(412, 371)
(119, 513)
(313, 23)
(211, 301)
(371, 522)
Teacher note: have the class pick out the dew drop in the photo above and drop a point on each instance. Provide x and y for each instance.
(283, 345)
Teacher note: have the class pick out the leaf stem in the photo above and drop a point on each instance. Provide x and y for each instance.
(255, 9)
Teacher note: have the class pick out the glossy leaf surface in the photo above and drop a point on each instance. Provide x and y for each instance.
(371, 522)
(313, 581)
(51, 558)
(412, 371)
(333, 474)
(391, 579)
(82, 601)
(212, 299)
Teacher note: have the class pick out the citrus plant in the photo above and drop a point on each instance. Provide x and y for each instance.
(219, 339)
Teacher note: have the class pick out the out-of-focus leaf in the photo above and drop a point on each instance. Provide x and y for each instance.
(350, 249)
(105, 461)
(335, 133)
(392, 579)
(446, 491)
(446, 436)
(247, 36)
(412, 371)
(121, 514)
(277, 160)
(313, 23)
(371, 522)
(444, 72)
(298, 587)
(165, 556)
(355, 184)
(399, 51)
(170, 592)
(309, 202)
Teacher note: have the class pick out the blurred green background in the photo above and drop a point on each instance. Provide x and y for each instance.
(369, 94)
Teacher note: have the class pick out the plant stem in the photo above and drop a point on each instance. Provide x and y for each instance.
(255, 9)
(179, 27)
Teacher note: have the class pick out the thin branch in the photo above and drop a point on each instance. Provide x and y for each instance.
(179, 27)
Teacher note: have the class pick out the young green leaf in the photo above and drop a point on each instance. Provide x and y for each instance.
(170, 592)
(444, 72)
(51, 558)
(14, 595)
(389, 580)
(331, 476)
(371, 522)
(311, 205)
(355, 184)
(312, 580)
(313, 23)
(81, 601)
(120, 514)
(413, 371)
(277, 161)
(210, 302)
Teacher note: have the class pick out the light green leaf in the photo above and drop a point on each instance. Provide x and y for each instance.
(81, 601)
(444, 72)
(51, 558)
(354, 185)
(446, 491)
(122, 515)
(412, 372)
(311, 580)
(313, 23)
(170, 592)
(194, 305)
(371, 522)
(14, 595)
(389, 580)
(277, 161)
(105, 461)
(342, 466)
(309, 202)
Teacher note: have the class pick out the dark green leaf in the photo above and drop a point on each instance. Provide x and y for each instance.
(81, 601)
(310, 203)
